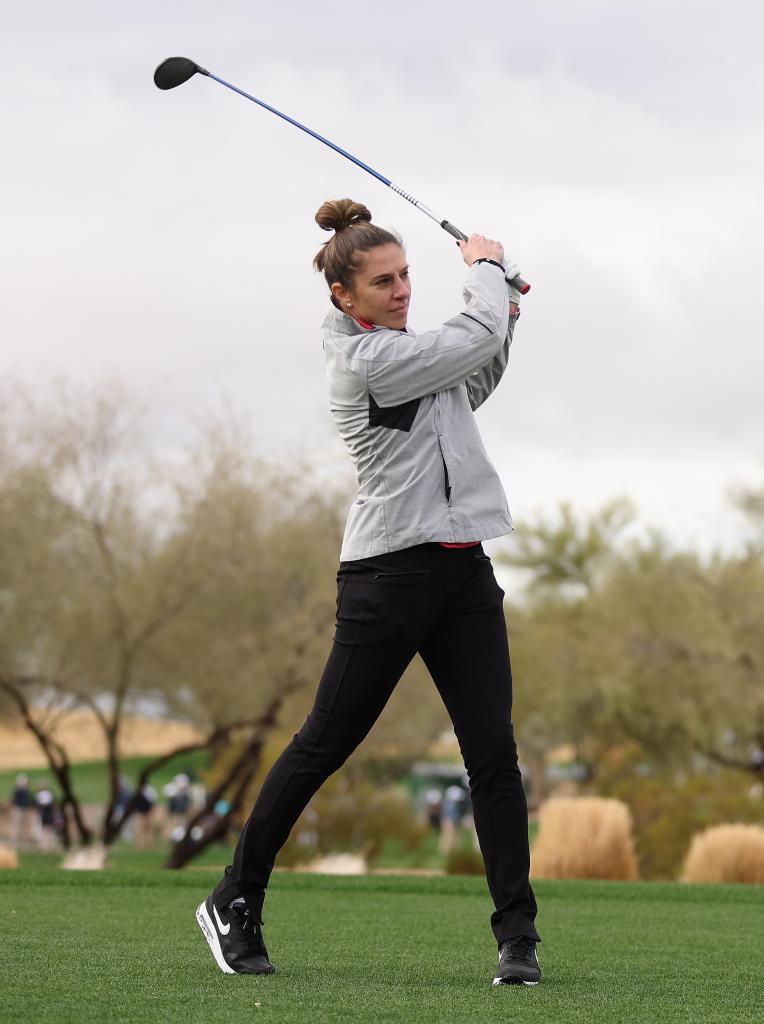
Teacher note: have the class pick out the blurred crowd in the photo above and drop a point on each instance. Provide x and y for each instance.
(36, 818)
(174, 813)
(34, 814)
(158, 817)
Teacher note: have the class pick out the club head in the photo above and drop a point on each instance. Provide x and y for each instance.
(175, 71)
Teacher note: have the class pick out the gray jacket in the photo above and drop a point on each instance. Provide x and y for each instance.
(403, 403)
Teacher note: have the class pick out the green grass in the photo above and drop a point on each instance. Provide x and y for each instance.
(89, 778)
(124, 946)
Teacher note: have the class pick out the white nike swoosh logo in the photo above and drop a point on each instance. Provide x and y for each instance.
(224, 929)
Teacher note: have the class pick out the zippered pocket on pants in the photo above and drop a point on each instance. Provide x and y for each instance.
(413, 574)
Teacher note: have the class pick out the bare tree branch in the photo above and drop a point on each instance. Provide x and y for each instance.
(55, 755)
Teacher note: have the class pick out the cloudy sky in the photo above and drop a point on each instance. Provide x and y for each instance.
(617, 149)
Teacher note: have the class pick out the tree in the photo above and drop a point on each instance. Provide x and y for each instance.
(200, 596)
(569, 554)
(263, 544)
(635, 642)
(565, 560)
(683, 668)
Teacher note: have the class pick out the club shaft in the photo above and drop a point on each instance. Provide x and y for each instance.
(304, 128)
(517, 282)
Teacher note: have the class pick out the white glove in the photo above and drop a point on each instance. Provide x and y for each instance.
(511, 270)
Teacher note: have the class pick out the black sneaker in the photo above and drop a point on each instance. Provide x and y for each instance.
(235, 938)
(518, 963)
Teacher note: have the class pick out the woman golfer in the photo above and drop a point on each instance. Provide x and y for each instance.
(413, 576)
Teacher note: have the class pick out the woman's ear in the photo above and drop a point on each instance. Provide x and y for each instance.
(342, 295)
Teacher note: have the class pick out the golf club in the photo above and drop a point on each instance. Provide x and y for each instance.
(176, 70)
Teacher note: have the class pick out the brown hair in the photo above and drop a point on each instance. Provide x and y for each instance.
(353, 234)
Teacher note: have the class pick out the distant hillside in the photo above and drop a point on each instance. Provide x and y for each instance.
(80, 736)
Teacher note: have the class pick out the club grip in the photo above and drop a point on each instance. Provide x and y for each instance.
(453, 230)
(522, 286)
(517, 282)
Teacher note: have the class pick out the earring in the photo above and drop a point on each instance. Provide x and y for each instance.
(348, 304)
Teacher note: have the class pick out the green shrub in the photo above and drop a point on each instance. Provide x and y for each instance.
(464, 861)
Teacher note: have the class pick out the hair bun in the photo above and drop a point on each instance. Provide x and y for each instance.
(338, 214)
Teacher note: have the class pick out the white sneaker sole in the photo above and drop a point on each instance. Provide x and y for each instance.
(208, 929)
(500, 981)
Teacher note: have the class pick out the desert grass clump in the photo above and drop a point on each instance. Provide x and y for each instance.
(726, 853)
(8, 858)
(584, 837)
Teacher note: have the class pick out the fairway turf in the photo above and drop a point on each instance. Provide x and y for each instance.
(124, 946)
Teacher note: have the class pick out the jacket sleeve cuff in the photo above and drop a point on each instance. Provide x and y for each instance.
(494, 263)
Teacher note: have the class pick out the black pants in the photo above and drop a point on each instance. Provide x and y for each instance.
(446, 604)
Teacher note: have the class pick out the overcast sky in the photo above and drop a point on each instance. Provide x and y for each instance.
(617, 150)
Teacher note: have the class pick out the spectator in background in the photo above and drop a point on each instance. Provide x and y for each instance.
(124, 795)
(178, 795)
(451, 815)
(46, 810)
(221, 809)
(432, 807)
(23, 805)
(197, 791)
(144, 808)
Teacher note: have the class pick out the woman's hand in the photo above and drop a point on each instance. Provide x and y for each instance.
(478, 247)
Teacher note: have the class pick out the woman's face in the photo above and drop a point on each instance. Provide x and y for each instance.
(381, 288)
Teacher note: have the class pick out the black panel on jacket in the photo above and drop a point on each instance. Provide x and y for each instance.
(397, 417)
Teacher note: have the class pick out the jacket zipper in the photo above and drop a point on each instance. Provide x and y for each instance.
(445, 473)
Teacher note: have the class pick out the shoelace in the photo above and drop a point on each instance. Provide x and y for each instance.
(521, 949)
(248, 927)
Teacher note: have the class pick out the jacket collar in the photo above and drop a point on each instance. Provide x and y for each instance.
(341, 323)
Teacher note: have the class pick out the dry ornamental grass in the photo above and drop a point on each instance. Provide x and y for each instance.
(726, 853)
(584, 837)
